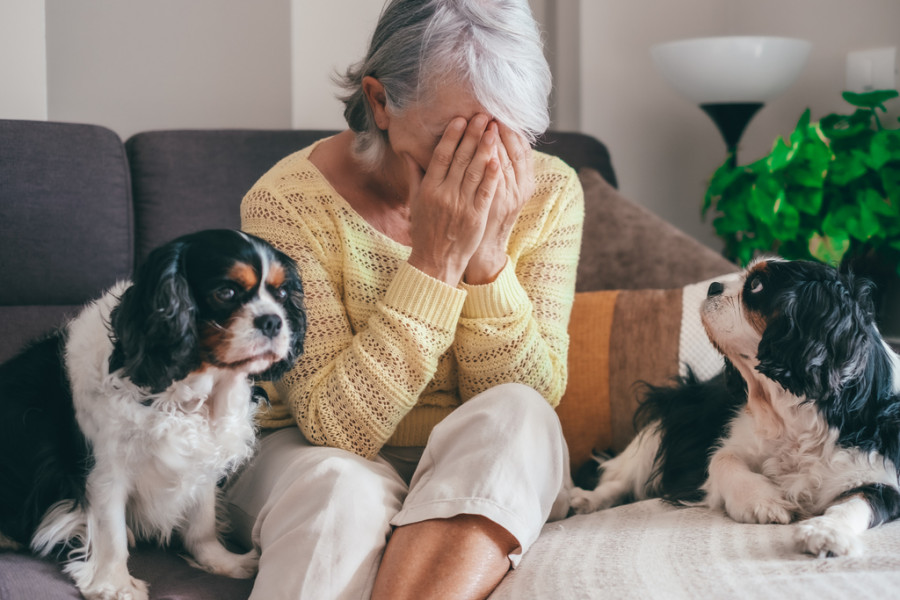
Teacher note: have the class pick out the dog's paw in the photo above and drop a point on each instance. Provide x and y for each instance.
(765, 506)
(245, 566)
(7, 543)
(826, 536)
(109, 581)
(133, 589)
(583, 502)
(215, 558)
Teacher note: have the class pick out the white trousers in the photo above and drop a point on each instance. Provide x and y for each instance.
(321, 517)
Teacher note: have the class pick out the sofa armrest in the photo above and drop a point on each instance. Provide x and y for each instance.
(625, 246)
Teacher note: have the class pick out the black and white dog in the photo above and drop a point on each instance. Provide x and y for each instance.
(120, 425)
(803, 424)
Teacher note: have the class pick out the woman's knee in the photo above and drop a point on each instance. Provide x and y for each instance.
(338, 480)
(514, 408)
(337, 494)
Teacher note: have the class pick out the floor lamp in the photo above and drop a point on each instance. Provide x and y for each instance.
(731, 78)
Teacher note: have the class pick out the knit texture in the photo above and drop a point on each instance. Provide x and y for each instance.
(390, 351)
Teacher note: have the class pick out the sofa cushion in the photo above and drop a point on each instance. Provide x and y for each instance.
(651, 550)
(65, 212)
(618, 339)
(65, 223)
(195, 179)
(25, 577)
(579, 151)
(626, 246)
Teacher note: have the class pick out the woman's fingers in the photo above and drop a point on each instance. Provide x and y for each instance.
(445, 152)
(518, 151)
(487, 188)
(506, 166)
(477, 167)
(467, 150)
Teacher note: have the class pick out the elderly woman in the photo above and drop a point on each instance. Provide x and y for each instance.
(414, 451)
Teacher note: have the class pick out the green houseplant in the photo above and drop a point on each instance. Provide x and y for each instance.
(829, 192)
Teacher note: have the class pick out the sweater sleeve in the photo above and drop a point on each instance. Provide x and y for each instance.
(515, 328)
(350, 390)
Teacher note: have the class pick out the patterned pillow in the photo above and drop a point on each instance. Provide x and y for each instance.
(619, 338)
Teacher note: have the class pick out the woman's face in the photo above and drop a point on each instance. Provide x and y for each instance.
(418, 130)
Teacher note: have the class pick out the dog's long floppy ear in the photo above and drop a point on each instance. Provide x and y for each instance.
(296, 318)
(820, 338)
(154, 330)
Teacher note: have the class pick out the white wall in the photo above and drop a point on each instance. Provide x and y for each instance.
(134, 65)
(326, 37)
(23, 60)
(664, 148)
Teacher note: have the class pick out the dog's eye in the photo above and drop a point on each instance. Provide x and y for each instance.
(755, 285)
(279, 294)
(224, 294)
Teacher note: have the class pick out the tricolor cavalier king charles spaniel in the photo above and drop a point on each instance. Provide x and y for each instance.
(803, 424)
(120, 425)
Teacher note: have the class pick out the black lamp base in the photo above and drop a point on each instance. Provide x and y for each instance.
(731, 118)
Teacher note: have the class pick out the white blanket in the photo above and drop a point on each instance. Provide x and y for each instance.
(650, 550)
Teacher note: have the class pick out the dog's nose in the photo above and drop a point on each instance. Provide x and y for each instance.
(269, 325)
(715, 289)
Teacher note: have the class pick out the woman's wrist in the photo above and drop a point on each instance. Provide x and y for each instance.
(448, 271)
(484, 267)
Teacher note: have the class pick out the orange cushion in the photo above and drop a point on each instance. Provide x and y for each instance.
(617, 338)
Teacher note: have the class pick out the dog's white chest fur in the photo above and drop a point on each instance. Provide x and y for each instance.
(162, 447)
(803, 459)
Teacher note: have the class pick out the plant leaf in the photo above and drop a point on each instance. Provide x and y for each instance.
(782, 154)
(828, 249)
(869, 99)
(719, 183)
(877, 203)
(764, 195)
(845, 168)
(857, 221)
(890, 179)
(787, 223)
(731, 222)
(806, 199)
(885, 147)
(836, 127)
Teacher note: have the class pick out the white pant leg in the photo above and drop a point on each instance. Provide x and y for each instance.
(500, 455)
(321, 517)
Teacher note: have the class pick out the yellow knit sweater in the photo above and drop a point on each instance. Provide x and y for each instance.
(390, 351)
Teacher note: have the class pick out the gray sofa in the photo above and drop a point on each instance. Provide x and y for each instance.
(79, 209)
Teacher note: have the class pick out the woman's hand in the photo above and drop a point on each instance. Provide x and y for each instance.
(515, 188)
(451, 202)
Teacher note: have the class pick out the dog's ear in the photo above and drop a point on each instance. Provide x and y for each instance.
(154, 330)
(296, 318)
(819, 337)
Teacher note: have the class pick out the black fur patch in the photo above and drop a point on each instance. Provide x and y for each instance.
(883, 500)
(692, 417)
(46, 456)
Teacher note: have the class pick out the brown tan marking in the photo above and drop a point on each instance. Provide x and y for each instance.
(276, 276)
(756, 319)
(244, 275)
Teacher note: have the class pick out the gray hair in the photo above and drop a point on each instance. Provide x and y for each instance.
(492, 45)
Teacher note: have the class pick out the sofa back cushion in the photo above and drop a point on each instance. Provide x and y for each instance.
(189, 180)
(65, 222)
(619, 340)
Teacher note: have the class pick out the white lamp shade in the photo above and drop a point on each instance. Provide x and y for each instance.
(731, 69)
